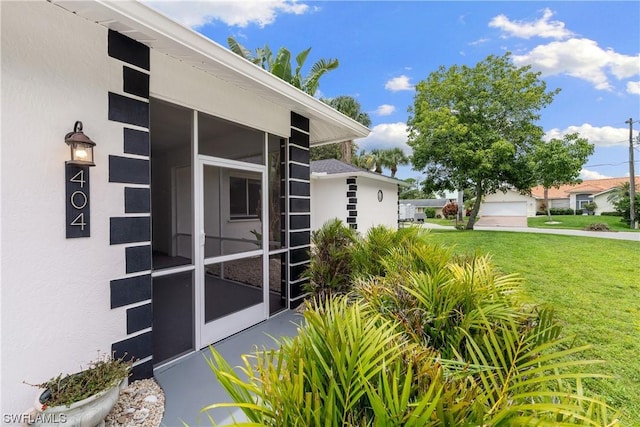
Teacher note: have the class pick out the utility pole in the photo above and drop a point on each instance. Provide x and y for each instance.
(632, 180)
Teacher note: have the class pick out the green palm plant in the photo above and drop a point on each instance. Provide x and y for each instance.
(392, 158)
(423, 339)
(280, 65)
(330, 269)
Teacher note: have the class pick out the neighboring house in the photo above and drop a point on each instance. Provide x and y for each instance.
(201, 182)
(512, 205)
(420, 205)
(355, 196)
(577, 195)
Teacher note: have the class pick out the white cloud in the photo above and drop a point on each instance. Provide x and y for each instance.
(583, 59)
(478, 42)
(233, 13)
(386, 135)
(543, 27)
(633, 87)
(385, 110)
(587, 174)
(605, 136)
(398, 83)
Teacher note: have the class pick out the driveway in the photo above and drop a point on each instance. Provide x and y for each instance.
(502, 221)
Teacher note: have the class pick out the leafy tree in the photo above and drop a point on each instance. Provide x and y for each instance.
(559, 161)
(346, 150)
(280, 65)
(475, 127)
(415, 191)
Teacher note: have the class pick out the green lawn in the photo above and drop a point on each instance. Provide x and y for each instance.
(578, 222)
(594, 285)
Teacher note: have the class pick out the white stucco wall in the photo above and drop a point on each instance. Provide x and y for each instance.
(603, 204)
(328, 201)
(371, 212)
(55, 291)
(511, 196)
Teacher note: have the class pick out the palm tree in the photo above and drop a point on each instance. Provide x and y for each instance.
(348, 106)
(621, 191)
(280, 65)
(392, 158)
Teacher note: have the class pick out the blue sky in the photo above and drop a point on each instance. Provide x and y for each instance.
(590, 50)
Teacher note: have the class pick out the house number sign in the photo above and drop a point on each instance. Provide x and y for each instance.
(77, 195)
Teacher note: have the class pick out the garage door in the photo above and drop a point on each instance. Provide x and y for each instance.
(504, 209)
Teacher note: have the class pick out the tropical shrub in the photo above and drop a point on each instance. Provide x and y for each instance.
(329, 271)
(425, 338)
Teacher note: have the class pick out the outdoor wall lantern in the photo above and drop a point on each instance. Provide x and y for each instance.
(81, 147)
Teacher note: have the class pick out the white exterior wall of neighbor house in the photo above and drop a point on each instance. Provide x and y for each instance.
(372, 212)
(506, 200)
(603, 205)
(55, 291)
(328, 201)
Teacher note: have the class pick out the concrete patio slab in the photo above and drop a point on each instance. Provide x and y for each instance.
(189, 384)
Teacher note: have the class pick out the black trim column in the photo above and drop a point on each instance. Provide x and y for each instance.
(132, 288)
(299, 207)
(352, 205)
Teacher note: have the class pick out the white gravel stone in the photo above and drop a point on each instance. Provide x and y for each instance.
(140, 404)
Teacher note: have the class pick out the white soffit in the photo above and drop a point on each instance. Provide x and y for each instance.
(141, 23)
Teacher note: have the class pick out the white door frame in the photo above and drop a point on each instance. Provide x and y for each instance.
(207, 333)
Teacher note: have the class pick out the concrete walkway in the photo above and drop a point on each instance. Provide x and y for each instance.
(617, 235)
(189, 385)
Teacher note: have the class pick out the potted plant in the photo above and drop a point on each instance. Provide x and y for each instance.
(82, 399)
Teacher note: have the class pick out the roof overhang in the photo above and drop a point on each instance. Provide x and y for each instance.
(151, 28)
(363, 174)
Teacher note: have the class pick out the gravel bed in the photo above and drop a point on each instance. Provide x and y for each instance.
(141, 404)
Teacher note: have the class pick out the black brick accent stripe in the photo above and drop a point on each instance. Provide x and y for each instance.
(296, 272)
(130, 230)
(139, 318)
(353, 202)
(298, 155)
(299, 222)
(138, 347)
(128, 110)
(299, 121)
(299, 208)
(138, 258)
(300, 238)
(136, 142)
(128, 50)
(135, 82)
(297, 188)
(142, 371)
(300, 205)
(299, 255)
(129, 171)
(299, 171)
(130, 290)
(137, 200)
(297, 289)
